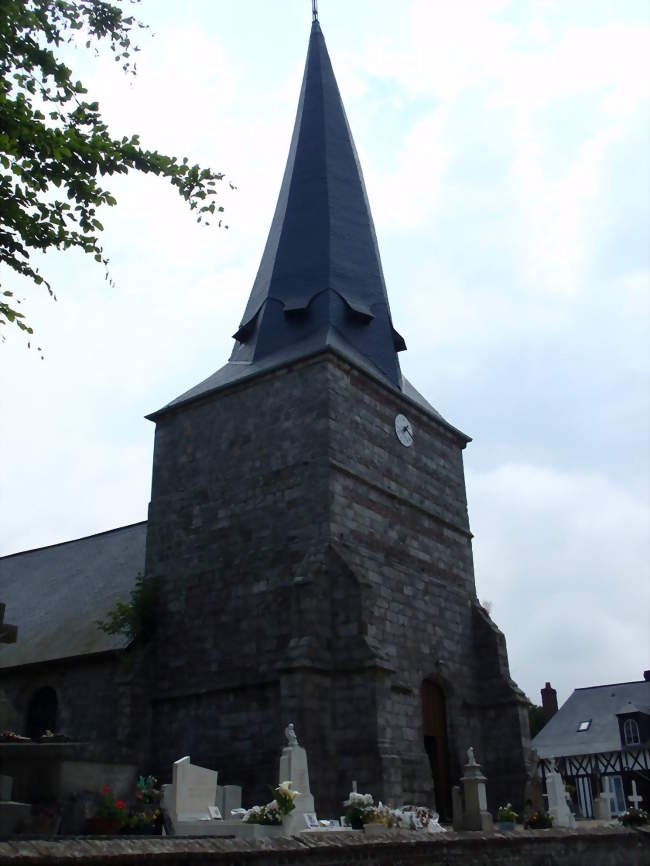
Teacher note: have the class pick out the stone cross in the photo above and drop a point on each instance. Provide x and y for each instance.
(634, 797)
(608, 794)
(8, 633)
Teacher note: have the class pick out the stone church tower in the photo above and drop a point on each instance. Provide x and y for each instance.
(308, 521)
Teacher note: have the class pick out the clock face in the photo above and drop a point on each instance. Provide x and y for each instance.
(404, 430)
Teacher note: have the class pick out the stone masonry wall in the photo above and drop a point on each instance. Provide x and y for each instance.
(237, 533)
(399, 517)
(604, 847)
(314, 570)
(73, 682)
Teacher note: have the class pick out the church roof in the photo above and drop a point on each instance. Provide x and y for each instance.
(320, 284)
(55, 594)
(598, 705)
(321, 267)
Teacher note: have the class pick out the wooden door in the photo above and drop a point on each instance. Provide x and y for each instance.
(434, 726)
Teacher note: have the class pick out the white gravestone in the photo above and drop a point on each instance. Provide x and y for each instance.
(293, 768)
(558, 808)
(193, 790)
(634, 797)
(228, 798)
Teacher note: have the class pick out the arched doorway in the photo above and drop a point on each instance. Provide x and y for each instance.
(434, 726)
(41, 712)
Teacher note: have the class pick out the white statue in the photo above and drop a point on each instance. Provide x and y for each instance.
(470, 756)
(290, 734)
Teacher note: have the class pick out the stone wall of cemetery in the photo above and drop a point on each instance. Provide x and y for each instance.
(604, 847)
(314, 570)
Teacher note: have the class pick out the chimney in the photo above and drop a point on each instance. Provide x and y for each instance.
(646, 676)
(549, 701)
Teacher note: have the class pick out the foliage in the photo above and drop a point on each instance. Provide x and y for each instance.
(633, 817)
(54, 145)
(506, 813)
(536, 719)
(112, 808)
(538, 821)
(135, 619)
(271, 813)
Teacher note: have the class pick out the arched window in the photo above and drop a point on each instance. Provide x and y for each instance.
(41, 712)
(631, 733)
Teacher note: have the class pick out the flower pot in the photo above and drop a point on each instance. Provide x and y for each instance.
(100, 825)
(506, 826)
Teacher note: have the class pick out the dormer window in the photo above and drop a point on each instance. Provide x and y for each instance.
(584, 726)
(631, 733)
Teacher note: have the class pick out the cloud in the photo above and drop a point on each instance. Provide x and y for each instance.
(549, 547)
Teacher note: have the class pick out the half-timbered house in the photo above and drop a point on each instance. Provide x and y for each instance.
(600, 741)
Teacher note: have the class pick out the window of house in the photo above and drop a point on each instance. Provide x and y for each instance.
(584, 726)
(631, 733)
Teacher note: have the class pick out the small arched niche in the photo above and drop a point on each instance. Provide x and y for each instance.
(42, 712)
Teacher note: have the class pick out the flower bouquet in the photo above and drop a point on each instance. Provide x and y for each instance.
(506, 817)
(272, 813)
(111, 815)
(538, 821)
(633, 817)
(360, 809)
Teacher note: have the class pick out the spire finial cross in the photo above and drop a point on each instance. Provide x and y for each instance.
(314, 10)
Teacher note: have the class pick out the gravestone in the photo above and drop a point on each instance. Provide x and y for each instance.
(475, 812)
(457, 808)
(558, 807)
(602, 807)
(12, 814)
(8, 633)
(6, 787)
(533, 788)
(193, 790)
(294, 769)
(228, 798)
(634, 797)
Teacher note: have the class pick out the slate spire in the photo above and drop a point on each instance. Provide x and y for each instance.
(320, 282)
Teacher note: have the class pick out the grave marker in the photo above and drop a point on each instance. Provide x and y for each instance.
(8, 633)
(634, 797)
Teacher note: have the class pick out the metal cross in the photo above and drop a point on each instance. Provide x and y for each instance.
(8, 633)
(314, 10)
(634, 798)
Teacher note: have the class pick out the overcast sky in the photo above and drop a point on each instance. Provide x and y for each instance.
(505, 149)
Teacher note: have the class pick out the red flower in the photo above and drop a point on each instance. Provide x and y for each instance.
(106, 790)
(120, 804)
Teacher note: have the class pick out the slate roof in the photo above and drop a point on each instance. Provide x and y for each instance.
(54, 594)
(232, 372)
(320, 284)
(601, 704)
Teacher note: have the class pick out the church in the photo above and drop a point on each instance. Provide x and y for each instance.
(309, 532)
